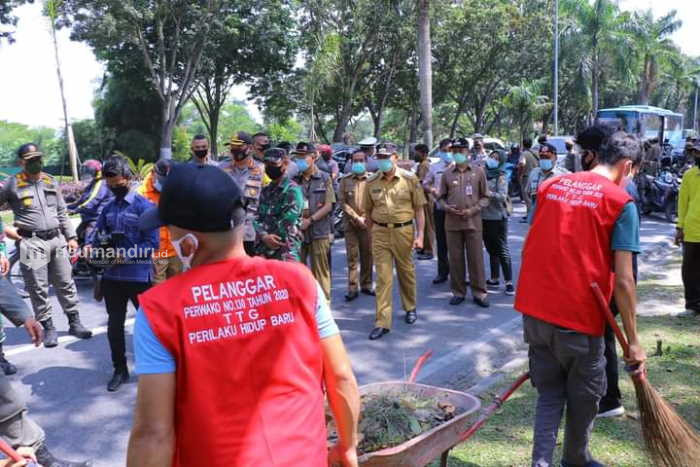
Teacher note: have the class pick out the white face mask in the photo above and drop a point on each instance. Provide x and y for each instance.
(186, 260)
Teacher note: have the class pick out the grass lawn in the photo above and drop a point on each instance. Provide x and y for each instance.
(506, 440)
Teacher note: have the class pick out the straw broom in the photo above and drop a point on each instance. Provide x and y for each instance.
(670, 440)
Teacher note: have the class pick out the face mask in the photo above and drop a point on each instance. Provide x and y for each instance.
(385, 165)
(186, 260)
(158, 186)
(274, 172)
(239, 155)
(446, 157)
(201, 154)
(34, 166)
(460, 158)
(120, 191)
(358, 168)
(546, 164)
(302, 165)
(491, 163)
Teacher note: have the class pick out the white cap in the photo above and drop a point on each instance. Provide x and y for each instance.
(371, 141)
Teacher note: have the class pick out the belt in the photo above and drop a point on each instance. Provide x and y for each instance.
(395, 226)
(42, 234)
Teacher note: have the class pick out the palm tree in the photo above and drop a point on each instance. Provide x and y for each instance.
(425, 70)
(652, 43)
(526, 103)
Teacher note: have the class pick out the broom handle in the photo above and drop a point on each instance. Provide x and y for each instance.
(419, 365)
(610, 318)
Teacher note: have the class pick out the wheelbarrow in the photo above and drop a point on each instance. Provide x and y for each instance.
(428, 446)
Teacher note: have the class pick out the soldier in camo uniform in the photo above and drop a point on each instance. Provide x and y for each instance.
(278, 225)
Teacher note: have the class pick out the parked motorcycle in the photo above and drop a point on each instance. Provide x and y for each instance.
(660, 193)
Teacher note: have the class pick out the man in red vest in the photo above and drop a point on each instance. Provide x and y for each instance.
(584, 227)
(234, 354)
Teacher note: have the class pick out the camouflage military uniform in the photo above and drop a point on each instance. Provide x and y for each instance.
(279, 213)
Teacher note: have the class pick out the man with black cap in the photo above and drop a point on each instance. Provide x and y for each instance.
(47, 237)
(316, 222)
(233, 355)
(278, 223)
(249, 175)
(127, 252)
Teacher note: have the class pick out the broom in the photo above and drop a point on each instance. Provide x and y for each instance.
(671, 441)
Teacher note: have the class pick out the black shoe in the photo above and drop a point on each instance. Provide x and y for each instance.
(350, 296)
(510, 290)
(377, 333)
(523, 220)
(482, 302)
(46, 459)
(440, 279)
(120, 377)
(77, 329)
(456, 300)
(411, 317)
(50, 335)
(369, 292)
(7, 367)
(493, 283)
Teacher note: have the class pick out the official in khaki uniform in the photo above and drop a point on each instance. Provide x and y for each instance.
(393, 198)
(316, 222)
(358, 244)
(47, 235)
(464, 192)
(423, 169)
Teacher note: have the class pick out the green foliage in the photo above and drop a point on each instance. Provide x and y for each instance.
(181, 144)
(88, 140)
(13, 135)
(7, 18)
(140, 168)
(290, 130)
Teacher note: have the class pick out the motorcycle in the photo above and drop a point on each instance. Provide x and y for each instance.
(338, 228)
(660, 194)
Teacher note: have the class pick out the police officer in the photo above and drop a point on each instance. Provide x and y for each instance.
(278, 223)
(47, 232)
(393, 199)
(431, 185)
(316, 223)
(463, 193)
(248, 173)
(357, 236)
(421, 157)
(547, 169)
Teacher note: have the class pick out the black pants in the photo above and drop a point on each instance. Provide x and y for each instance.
(691, 275)
(117, 295)
(441, 240)
(496, 242)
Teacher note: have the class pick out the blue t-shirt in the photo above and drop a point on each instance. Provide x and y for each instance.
(153, 358)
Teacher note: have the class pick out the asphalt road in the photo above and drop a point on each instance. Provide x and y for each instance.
(65, 386)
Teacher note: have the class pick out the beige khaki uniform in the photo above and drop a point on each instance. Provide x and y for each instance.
(392, 206)
(351, 195)
(429, 231)
(465, 190)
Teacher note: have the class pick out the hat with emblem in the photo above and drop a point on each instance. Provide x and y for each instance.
(371, 141)
(304, 148)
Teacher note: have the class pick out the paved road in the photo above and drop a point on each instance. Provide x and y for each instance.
(65, 386)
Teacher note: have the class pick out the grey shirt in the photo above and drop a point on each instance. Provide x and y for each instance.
(37, 205)
(498, 192)
(432, 180)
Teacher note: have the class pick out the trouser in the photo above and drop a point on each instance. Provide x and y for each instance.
(393, 246)
(165, 268)
(317, 252)
(460, 242)
(358, 244)
(429, 231)
(568, 370)
(117, 295)
(525, 193)
(11, 304)
(496, 242)
(691, 275)
(441, 241)
(15, 426)
(45, 262)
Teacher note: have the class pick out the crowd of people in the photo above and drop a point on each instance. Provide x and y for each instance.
(212, 250)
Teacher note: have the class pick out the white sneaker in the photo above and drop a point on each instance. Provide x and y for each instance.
(616, 412)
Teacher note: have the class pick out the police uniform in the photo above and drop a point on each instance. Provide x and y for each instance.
(429, 232)
(250, 180)
(357, 237)
(392, 206)
(318, 192)
(41, 219)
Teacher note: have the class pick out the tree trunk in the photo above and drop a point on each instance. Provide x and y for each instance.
(595, 84)
(413, 127)
(341, 126)
(214, 131)
(166, 136)
(425, 70)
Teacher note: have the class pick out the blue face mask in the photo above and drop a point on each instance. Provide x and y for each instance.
(385, 165)
(491, 163)
(546, 164)
(460, 158)
(446, 157)
(358, 168)
(302, 165)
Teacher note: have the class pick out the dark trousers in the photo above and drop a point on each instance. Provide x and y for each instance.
(496, 242)
(117, 295)
(691, 275)
(441, 240)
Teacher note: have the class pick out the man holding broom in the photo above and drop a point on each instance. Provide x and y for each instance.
(563, 323)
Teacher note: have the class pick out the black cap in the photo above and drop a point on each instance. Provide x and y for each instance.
(304, 148)
(274, 155)
(200, 198)
(550, 147)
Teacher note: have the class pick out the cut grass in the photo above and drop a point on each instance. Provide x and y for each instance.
(506, 439)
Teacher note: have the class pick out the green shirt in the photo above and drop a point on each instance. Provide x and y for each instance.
(689, 206)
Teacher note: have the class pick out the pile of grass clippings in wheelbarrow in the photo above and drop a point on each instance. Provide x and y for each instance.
(387, 420)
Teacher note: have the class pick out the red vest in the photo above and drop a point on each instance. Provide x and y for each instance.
(249, 366)
(568, 248)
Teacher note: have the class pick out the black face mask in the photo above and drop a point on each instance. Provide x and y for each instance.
(201, 154)
(34, 166)
(120, 191)
(265, 147)
(274, 172)
(239, 155)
